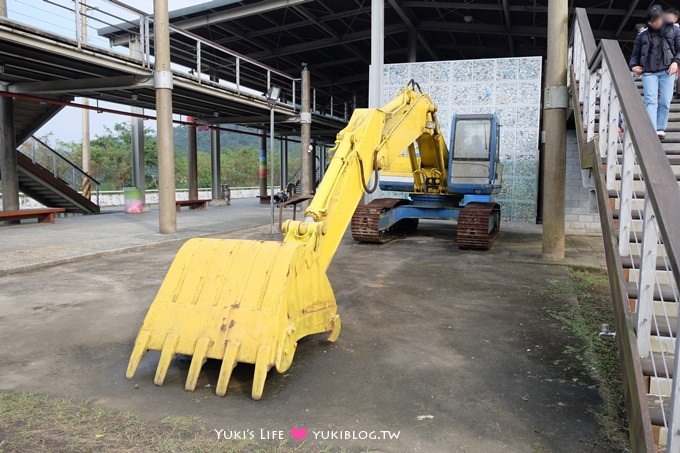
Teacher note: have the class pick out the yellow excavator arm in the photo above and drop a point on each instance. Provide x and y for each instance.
(370, 142)
(251, 301)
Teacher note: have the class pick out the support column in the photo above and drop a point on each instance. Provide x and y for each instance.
(554, 121)
(192, 160)
(306, 157)
(85, 183)
(137, 131)
(215, 164)
(8, 156)
(166, 148)
(375, 83)
(412, 45)
(322, 160)
(283, 168)
(3, 8)
(262, 168)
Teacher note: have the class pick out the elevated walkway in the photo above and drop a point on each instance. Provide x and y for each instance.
(44, 71)
(636, 178)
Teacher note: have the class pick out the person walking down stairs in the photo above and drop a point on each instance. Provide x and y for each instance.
(656, 56)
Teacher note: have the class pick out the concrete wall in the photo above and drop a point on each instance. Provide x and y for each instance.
(581, 201)
(115, 198)
(509, 87)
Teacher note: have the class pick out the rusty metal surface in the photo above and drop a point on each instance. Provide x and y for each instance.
(473, 226)
(366, 217)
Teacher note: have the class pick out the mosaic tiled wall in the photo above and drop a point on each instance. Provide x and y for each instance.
(511, 87)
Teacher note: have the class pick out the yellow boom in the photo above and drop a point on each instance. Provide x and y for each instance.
(251, 301)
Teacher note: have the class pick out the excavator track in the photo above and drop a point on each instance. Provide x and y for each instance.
(366, 217)
(474, 223)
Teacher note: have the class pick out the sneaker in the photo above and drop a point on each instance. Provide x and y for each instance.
(661, 134)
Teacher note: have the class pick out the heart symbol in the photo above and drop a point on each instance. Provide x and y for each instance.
(298, 433)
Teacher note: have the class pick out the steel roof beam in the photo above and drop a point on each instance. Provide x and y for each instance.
(521, 8)
(626, 18)
(489, 29)
(410, 22)
(298, 24)
(83, 85)
(323, 43)
(508, 25)
(237, 13)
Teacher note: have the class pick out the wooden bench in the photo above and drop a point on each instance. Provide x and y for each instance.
(192, 204)
(45, 215)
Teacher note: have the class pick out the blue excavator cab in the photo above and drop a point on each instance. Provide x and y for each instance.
(475, 177)
(474, 169)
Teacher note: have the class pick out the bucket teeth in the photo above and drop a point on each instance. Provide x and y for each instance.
(262, 366)
(236, 301)
(167, 354)
(228, 364)
(197, 361)
(140, 348)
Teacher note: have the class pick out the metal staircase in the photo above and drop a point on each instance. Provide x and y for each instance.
(53, 180)
(44, 174)
(636, 179)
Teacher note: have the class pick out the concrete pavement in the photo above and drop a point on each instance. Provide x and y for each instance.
(452, 349)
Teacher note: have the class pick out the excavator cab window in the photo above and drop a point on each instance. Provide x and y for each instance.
(472, 151)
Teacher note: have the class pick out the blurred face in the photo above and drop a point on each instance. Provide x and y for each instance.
(671, 18)
(656, 24)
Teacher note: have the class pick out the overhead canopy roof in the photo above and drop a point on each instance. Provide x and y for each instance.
(333, 36)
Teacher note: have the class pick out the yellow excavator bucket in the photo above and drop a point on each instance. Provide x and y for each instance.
(237, 301)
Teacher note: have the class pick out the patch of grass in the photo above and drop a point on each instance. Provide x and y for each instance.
(599, 357)
(30, 422)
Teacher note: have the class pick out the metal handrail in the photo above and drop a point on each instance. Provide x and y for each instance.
(77, 174)
(142, 28)
(600, 74)
(67, 160)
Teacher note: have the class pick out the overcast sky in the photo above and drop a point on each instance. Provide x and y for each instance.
(46, 15)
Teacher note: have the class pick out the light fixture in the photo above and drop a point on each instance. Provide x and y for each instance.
(274, 94)
(468, 19)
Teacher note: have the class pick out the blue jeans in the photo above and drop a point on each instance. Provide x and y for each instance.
(658, 88)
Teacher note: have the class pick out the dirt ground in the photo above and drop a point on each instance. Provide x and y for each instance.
(452, 350)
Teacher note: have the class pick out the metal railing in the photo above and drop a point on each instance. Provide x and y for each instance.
(639, 202)
(59, 166)
(114, 25)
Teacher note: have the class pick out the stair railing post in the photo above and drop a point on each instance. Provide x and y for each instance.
(626, 194)
(645, 299)
(612, 139)
(605, 100)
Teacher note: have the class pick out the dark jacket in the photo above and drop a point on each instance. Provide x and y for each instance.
(670, 40)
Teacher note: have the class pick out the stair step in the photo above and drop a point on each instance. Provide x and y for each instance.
(656, 361)
(655, 412)
(633, 262)
(661, 292)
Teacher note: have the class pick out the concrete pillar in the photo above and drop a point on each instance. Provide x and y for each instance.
(3, 8)
(85, 184)
(192, 160)
(272, 141)
(137, 131)
(554, 121)
(375, 82)
(8, 156)
(166, 148)
(262, 168)
(322, 160)
(412, 45)
(306, 157)
(215, 164)
(283, 158)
